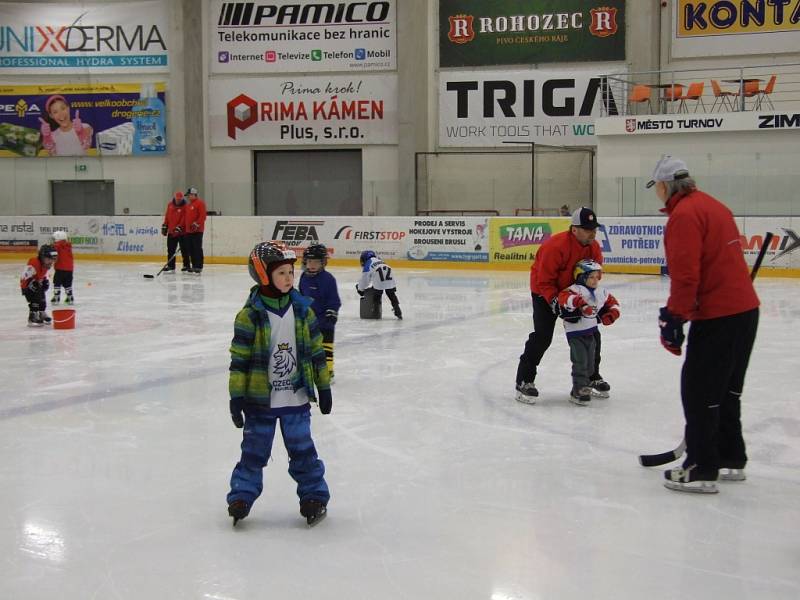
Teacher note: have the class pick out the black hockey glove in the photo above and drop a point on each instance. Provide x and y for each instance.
(570, 316)
(325, 401)
(45, 284)
(164, 229)
(237, 410)
(360, 293)
(34, 285)
(671, 331)
(332, 316)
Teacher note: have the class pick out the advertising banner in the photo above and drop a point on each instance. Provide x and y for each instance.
(719, 122)
(510, 32)
(339, 109)
(724, 28)
(83, 120)
(289, 36)
(517, 240)
(435, 238)
(112, 37)
(487, 108)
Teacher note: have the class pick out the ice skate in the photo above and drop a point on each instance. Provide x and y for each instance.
(34, 320)
(56, 297)
(238, 509)
(600, 388)
(397, 312)
(727, 474)
(45, 318)
(580, 395)
(313, 510)
(526, 393)
(70, 299)
(689, 480)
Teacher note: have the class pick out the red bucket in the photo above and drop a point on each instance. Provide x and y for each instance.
(64, 318)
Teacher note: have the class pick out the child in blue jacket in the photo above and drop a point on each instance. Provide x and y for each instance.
(320, 285)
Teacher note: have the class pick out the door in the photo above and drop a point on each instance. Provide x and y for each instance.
(83, 197)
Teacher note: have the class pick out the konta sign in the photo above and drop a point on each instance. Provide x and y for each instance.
(112, 37)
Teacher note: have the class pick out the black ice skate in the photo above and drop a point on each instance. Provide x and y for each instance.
(689, 479)
(238, 509)
(70, 299)
(600, 387)
(526, 393)
(34, 320)
(45, 318)
(580, 395)
(313, 510)
(397, 312)
(56, 297)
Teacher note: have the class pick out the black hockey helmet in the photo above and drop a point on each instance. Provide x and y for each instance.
(48, 251)
(315, 252)
(366, 255)
(265, 257)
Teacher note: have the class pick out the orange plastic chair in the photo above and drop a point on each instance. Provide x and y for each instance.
(674, 93)
(695, 92)
(721, 97)
(765, 94)
(640, 94)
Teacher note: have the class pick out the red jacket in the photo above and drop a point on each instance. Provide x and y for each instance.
(175, 217)
(196, 216)
(33, 270)
(552, 269)
(65, 261)
(708, 274)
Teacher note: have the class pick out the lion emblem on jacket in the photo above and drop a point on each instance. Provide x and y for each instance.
(284, 360)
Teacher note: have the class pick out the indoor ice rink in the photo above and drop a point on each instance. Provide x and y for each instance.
(117, 450)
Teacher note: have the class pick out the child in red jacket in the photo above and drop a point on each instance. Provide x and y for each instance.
(34, 283)
(64, 267)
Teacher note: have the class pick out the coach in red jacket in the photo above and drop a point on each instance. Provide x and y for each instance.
(174, 228)
(552, 271)
(195, 226)
(710, 286)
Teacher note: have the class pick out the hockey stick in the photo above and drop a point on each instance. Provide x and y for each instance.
(148, 276)
(656, 460)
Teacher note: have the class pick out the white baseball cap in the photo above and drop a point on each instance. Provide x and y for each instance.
(668, 168)
(191, 190)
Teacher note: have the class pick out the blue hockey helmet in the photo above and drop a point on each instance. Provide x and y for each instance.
(366, 255)
(583, 268)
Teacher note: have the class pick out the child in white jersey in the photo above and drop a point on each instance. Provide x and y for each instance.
(277, 358)
(582, 305)
(377, 275)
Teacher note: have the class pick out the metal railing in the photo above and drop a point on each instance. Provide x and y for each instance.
(739, 89)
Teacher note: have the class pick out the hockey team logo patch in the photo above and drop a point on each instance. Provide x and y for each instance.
(461, 30)
(284, 361)
(604, 21)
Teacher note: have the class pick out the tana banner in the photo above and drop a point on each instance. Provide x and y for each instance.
(508, 32)
(488, 108)
(81, 38)
(337, 109)
(289, 36)
(724, 28)
(83, 120)
(518, 240)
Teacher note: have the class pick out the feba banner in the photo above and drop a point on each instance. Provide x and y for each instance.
(338, 109)
(508, 32)
(724, 28)
(488, 108)
(289, 36)
(83, 120)
(112, 37)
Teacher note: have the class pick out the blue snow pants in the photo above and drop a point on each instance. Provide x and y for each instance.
(305, 466)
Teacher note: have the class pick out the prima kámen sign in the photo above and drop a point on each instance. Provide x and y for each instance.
(509, 32)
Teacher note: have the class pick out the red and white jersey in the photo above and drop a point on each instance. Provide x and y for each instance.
(33, 270)
(378, 274)
(596, 299)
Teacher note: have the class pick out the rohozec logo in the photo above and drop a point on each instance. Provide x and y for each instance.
(242, 113)
(297, 231)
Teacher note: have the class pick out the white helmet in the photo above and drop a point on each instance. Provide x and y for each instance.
(60, 236)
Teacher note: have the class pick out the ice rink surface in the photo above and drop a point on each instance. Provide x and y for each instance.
(117, 449)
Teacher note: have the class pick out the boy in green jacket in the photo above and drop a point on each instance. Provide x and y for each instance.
(276, 359)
